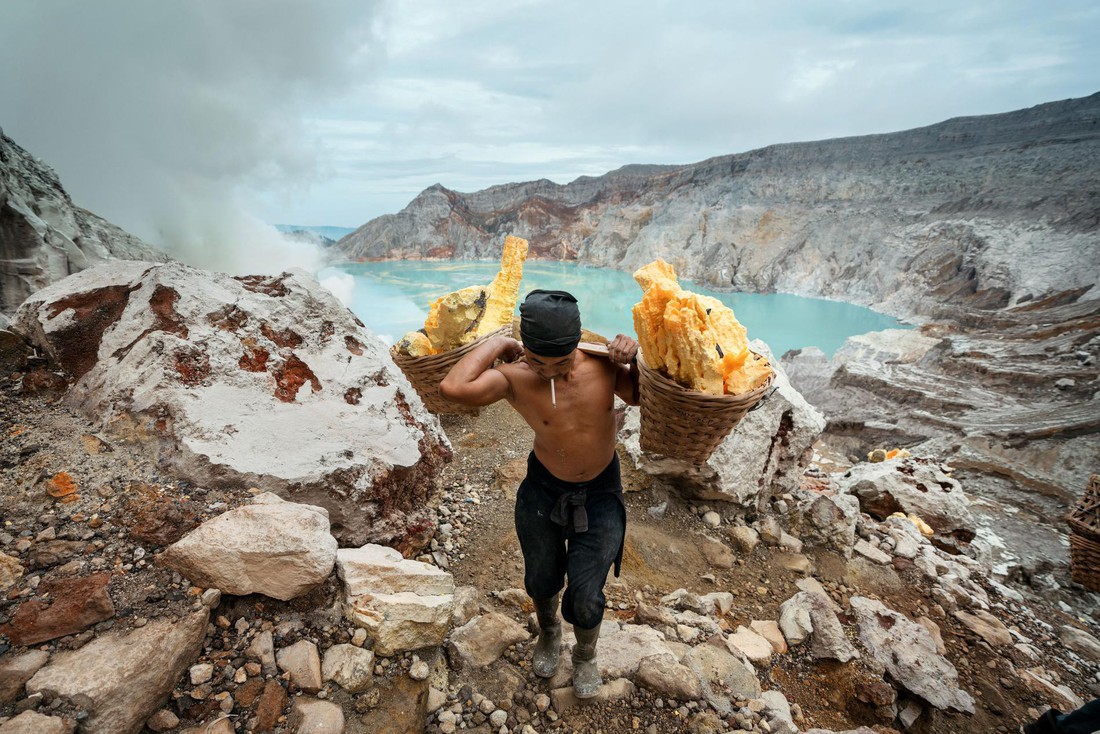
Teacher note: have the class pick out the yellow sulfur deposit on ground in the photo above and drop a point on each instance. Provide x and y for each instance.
(464, 315)
(695, 340)
(924, 528)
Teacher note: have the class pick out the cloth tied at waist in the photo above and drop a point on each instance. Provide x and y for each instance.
(560, 513)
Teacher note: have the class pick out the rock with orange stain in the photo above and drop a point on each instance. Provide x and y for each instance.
(61, 485)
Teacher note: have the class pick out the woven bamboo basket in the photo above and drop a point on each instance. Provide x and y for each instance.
(1084, 537)
(687, 424)
(425, 374)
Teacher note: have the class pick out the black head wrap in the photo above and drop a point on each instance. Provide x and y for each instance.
(550, 323)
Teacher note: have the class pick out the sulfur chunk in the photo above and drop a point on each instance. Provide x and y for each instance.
(504, 290)
(695, 340)
(453, 319)
(415, 344)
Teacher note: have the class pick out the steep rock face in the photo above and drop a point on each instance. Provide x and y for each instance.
(44, 236)
(246, 382)
(982, 212)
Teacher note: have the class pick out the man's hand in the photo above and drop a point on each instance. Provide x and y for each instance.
(622, 349)
(510, 349)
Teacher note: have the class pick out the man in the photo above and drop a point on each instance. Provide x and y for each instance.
(570, 516)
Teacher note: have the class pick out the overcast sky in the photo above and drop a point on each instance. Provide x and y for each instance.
(194, 122)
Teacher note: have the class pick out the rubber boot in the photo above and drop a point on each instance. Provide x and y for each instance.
(547, 648)
(586, 674)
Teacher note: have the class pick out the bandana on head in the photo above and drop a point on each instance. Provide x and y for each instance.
(550, 323)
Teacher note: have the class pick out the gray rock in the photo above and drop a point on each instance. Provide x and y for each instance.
(262, 650)
(403, 604)
(563, 699)
(16, 670)
(744, 538)
(303, 662)
(32, 722)
(312, 716)
(271, 547)
(911, 486)
(778, 712)
(1080, 642)
(719, 668)
(807, 609)
(125, 676)
(830, 521)
(663, 675)
(908, 653)
(482, 640)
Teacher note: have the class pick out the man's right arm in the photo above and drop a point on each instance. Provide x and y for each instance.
(473, 381)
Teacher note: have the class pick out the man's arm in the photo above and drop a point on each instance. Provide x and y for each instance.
(473, 381)
(623, 352)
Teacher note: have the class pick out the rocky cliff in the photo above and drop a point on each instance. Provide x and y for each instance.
(44, 236)
(985, 212)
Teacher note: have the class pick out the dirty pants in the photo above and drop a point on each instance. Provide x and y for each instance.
(571, 530)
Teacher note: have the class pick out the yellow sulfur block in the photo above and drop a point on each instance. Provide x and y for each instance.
(695, 340)
(504, 290)
(453, 319)
(415, 344)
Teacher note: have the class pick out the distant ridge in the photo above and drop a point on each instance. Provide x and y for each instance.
(984, 211)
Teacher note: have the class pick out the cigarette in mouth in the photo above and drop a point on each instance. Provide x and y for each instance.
(553, 397)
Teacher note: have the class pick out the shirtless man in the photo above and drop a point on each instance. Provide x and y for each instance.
(570, 516)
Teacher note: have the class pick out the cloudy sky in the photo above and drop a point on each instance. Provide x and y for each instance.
(197, 123)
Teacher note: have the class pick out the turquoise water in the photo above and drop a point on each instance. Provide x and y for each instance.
(392, 298)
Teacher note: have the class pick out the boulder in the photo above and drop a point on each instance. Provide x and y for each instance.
(986, 626)
(908, 653)
(830, 520)
(764, 455)
(810, 613)
(122, 678)
(349, 667)
(402, 604)
(302, 661)
(271, 547)
(309, 715)
(78, 603)
(32, 722)
(1080, 642)
(770, 631)
(777, 710)
(913, 486)
(719, 668)
(622, 647)
(482, 640)
(663, 675)
(745, 641)
(16, 670)
(743, 537)
(251, 381)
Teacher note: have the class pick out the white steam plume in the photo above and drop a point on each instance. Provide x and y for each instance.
(167, 117)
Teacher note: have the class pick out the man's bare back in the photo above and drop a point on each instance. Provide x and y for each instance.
(574, 440)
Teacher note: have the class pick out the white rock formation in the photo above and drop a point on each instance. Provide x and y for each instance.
(764, 455)
(349, 667)
(271, 547)
(126, 676)
(46, 237)
(255, 381)
(911, 486)
(402, 604)
(908, 652)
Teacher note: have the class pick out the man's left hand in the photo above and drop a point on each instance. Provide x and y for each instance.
(622, 349)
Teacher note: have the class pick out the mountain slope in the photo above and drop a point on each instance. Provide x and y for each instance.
(983, 212)
(44, 236)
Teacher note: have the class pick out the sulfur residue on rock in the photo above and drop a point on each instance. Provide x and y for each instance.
(695, 340)
(464, 315)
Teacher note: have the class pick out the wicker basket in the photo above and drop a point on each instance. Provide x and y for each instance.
(687, 424)
(1084, 537)
(425, 374)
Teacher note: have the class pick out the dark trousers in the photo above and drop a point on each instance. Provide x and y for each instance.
(553, 553)
(1085, 720)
